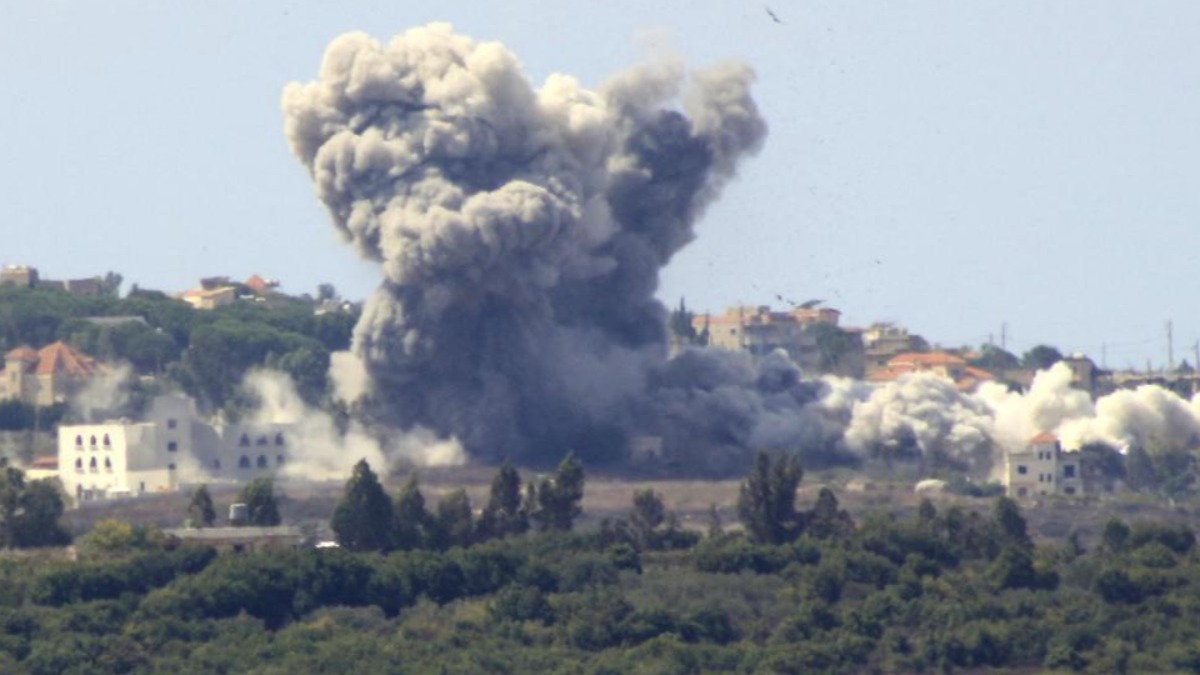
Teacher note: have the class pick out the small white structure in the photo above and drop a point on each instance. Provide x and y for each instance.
(173, 447)
(1042, 468)
(930, 486)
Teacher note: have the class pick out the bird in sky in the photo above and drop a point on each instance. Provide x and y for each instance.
(773, 15)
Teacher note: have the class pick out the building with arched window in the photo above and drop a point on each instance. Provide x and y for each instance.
(173, 448)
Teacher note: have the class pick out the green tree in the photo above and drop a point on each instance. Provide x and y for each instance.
(262, 508)
(826, 519)
(559, 498)
(767, 499)
(455, 524)
(110, 284)
(12, 485)
(201, 511)
(38, 522)
(647, 515)
(1114, 535)
(362, 519)
(412, 523)
(503, 515)
(112, 538)
(1011, 524)
(1041, 357)
(995, 359)
(681, 324)
(836, 347)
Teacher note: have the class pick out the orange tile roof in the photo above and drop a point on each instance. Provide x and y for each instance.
(927, 359)
(1044, 437)
(61, 358)
(23, 353)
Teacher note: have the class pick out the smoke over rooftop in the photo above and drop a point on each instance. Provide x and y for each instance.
(519, 231)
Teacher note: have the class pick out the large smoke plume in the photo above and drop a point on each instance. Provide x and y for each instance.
(520, 231)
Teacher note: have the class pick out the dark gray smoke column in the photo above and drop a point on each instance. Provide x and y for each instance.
(520, 231)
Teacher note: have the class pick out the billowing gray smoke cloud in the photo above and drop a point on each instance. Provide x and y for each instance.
(520, 231)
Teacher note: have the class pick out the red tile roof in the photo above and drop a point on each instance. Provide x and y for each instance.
(61, 358)
(1044, 437)
(22, 353)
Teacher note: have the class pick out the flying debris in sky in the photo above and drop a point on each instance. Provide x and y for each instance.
(773, 15)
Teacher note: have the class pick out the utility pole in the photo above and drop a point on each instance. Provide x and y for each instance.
(1104, 355)
(1004, 336)
(1170, 348)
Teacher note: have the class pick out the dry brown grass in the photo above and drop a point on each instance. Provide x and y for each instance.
(310, 504)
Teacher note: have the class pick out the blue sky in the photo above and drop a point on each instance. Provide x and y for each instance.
(948, 165)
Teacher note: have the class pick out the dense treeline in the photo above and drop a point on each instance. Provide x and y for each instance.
(803, 588)
(204, 352)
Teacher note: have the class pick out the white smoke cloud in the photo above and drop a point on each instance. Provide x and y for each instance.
(105, 395)
(930, 412)
(322, 452)
(921, 412)
(1049, 403)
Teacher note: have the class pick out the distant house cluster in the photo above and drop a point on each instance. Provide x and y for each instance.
(221, 291)
(761, 330)
(950, 366)
(172, 447)
(45, 376)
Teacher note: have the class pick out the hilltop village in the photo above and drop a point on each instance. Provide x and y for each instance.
(119, 397)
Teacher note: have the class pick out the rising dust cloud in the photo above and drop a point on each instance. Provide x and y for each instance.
(519, 232)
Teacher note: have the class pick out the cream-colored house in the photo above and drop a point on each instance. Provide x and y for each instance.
(174, 447)
(203, 298)
(1042, 468)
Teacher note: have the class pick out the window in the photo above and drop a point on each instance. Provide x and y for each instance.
(245, 441)
(106, 441)
(244, 462)
(93, 440)
(1068, 471)
(279, 460)
(79, 465)
(108, 465)
(171, 466)
(79, 440)
(278, 439)
(170, 424)
(262, 461)
(1022, 470)
(217, 464)
(172, 446)
(92, 465)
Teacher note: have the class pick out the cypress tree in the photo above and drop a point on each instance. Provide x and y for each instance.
(362, 519)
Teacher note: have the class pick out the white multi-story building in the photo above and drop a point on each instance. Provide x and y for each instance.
(1042, 468)
(174, 447)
